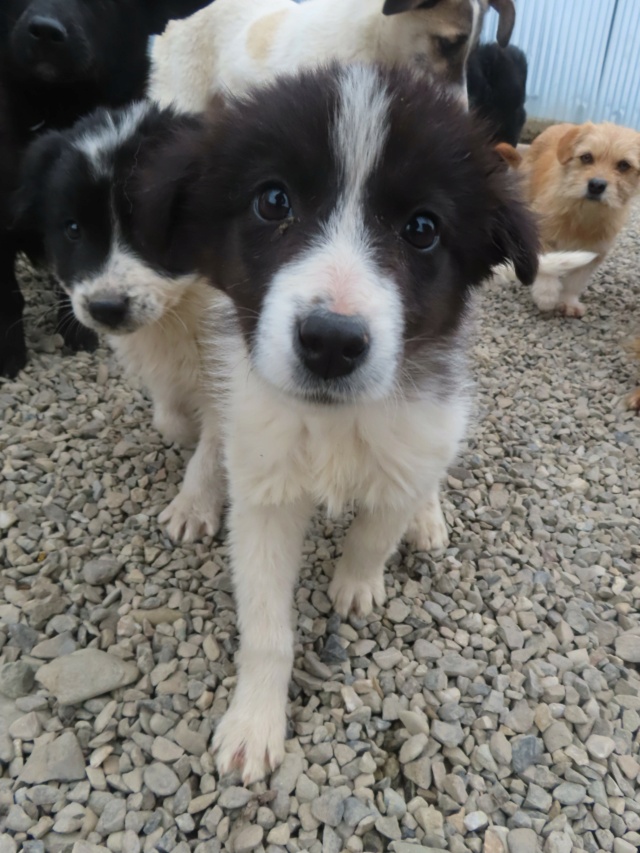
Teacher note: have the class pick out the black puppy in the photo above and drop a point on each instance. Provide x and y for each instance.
(497, 89)
(59, 59)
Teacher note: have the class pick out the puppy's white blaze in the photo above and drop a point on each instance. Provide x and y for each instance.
(361, 126)
(99, 145)
(338, 275)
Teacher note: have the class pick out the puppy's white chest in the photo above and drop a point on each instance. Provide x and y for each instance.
(279, 450)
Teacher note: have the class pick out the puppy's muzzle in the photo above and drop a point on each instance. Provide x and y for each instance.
(332, 345)
(110, 312)
(596, 188)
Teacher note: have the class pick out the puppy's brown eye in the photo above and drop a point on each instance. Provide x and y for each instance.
(421, 231)
(273, 204)
(623, 166)
(586, 159)
(72, 230)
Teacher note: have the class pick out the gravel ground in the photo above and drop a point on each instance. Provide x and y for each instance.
(493, 705)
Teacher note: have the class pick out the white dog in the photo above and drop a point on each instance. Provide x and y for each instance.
(349, 249)
(233, 44)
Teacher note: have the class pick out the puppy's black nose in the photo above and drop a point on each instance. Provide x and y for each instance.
(109, 312)
(47, 30)
(596, 186)
(332, 345)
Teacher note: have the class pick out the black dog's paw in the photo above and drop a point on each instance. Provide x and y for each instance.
(13, 351)
(77, 337)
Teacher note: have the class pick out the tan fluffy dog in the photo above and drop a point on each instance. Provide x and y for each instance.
(580, 180)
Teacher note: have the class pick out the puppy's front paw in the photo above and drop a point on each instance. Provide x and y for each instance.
(545, 292)
(352, 594)
(250, 740)
(192, 516)
(428, 532)
(573, 308)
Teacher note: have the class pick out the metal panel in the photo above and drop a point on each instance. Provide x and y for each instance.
(584, 58)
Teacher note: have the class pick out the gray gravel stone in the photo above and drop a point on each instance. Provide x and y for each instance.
(101, 571)
(85, 674)
(161, 780)
(16, 679)
(60, 760)
(328, 808)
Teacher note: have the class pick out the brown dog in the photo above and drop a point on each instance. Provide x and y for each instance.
(579, 179)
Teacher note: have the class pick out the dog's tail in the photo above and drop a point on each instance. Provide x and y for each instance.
(560, 263)
(551, 264)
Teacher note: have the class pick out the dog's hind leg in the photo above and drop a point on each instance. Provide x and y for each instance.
(428, 530)
(195, 511)
(13, 347)
(358, 580)
(266, 544)
(573, 283)
(545, 292)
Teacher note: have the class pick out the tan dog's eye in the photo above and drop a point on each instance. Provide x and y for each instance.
(623, 166)
(586, 159)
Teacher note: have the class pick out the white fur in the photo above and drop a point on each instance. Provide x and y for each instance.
(215, 49)
(117, 127)
(386, 449)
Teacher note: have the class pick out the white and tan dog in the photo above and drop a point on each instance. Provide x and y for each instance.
(232, 44)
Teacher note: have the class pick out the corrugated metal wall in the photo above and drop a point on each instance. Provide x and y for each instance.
(584, 58)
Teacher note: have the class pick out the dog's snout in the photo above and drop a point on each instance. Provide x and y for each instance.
(109, 311)
(332, 345)
(47, 31)
(596, 187)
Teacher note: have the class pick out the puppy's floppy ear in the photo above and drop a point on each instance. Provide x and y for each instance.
(507, 18)
(567, 144)
(394, 7)
(28, 201)
(515, 239)
(164, 186)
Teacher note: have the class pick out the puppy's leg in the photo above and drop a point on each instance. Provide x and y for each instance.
(545, 292)
(266, 543)
(13, 348)
(174, 420)
(358, 580)
(196, 509)
(428, 530)
(573, 283)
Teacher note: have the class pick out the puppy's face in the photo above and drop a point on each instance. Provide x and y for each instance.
(347, 214)
(441, 33)
(601, 164)
(65, 41)
(76, 193)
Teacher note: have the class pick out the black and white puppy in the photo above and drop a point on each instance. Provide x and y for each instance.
(60, 59)
(348, 213)
(497, 89)
(79, 193)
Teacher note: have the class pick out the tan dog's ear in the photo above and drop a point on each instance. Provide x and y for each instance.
(394, 7)
(509, 154)
(567, 144)
(507, 18)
